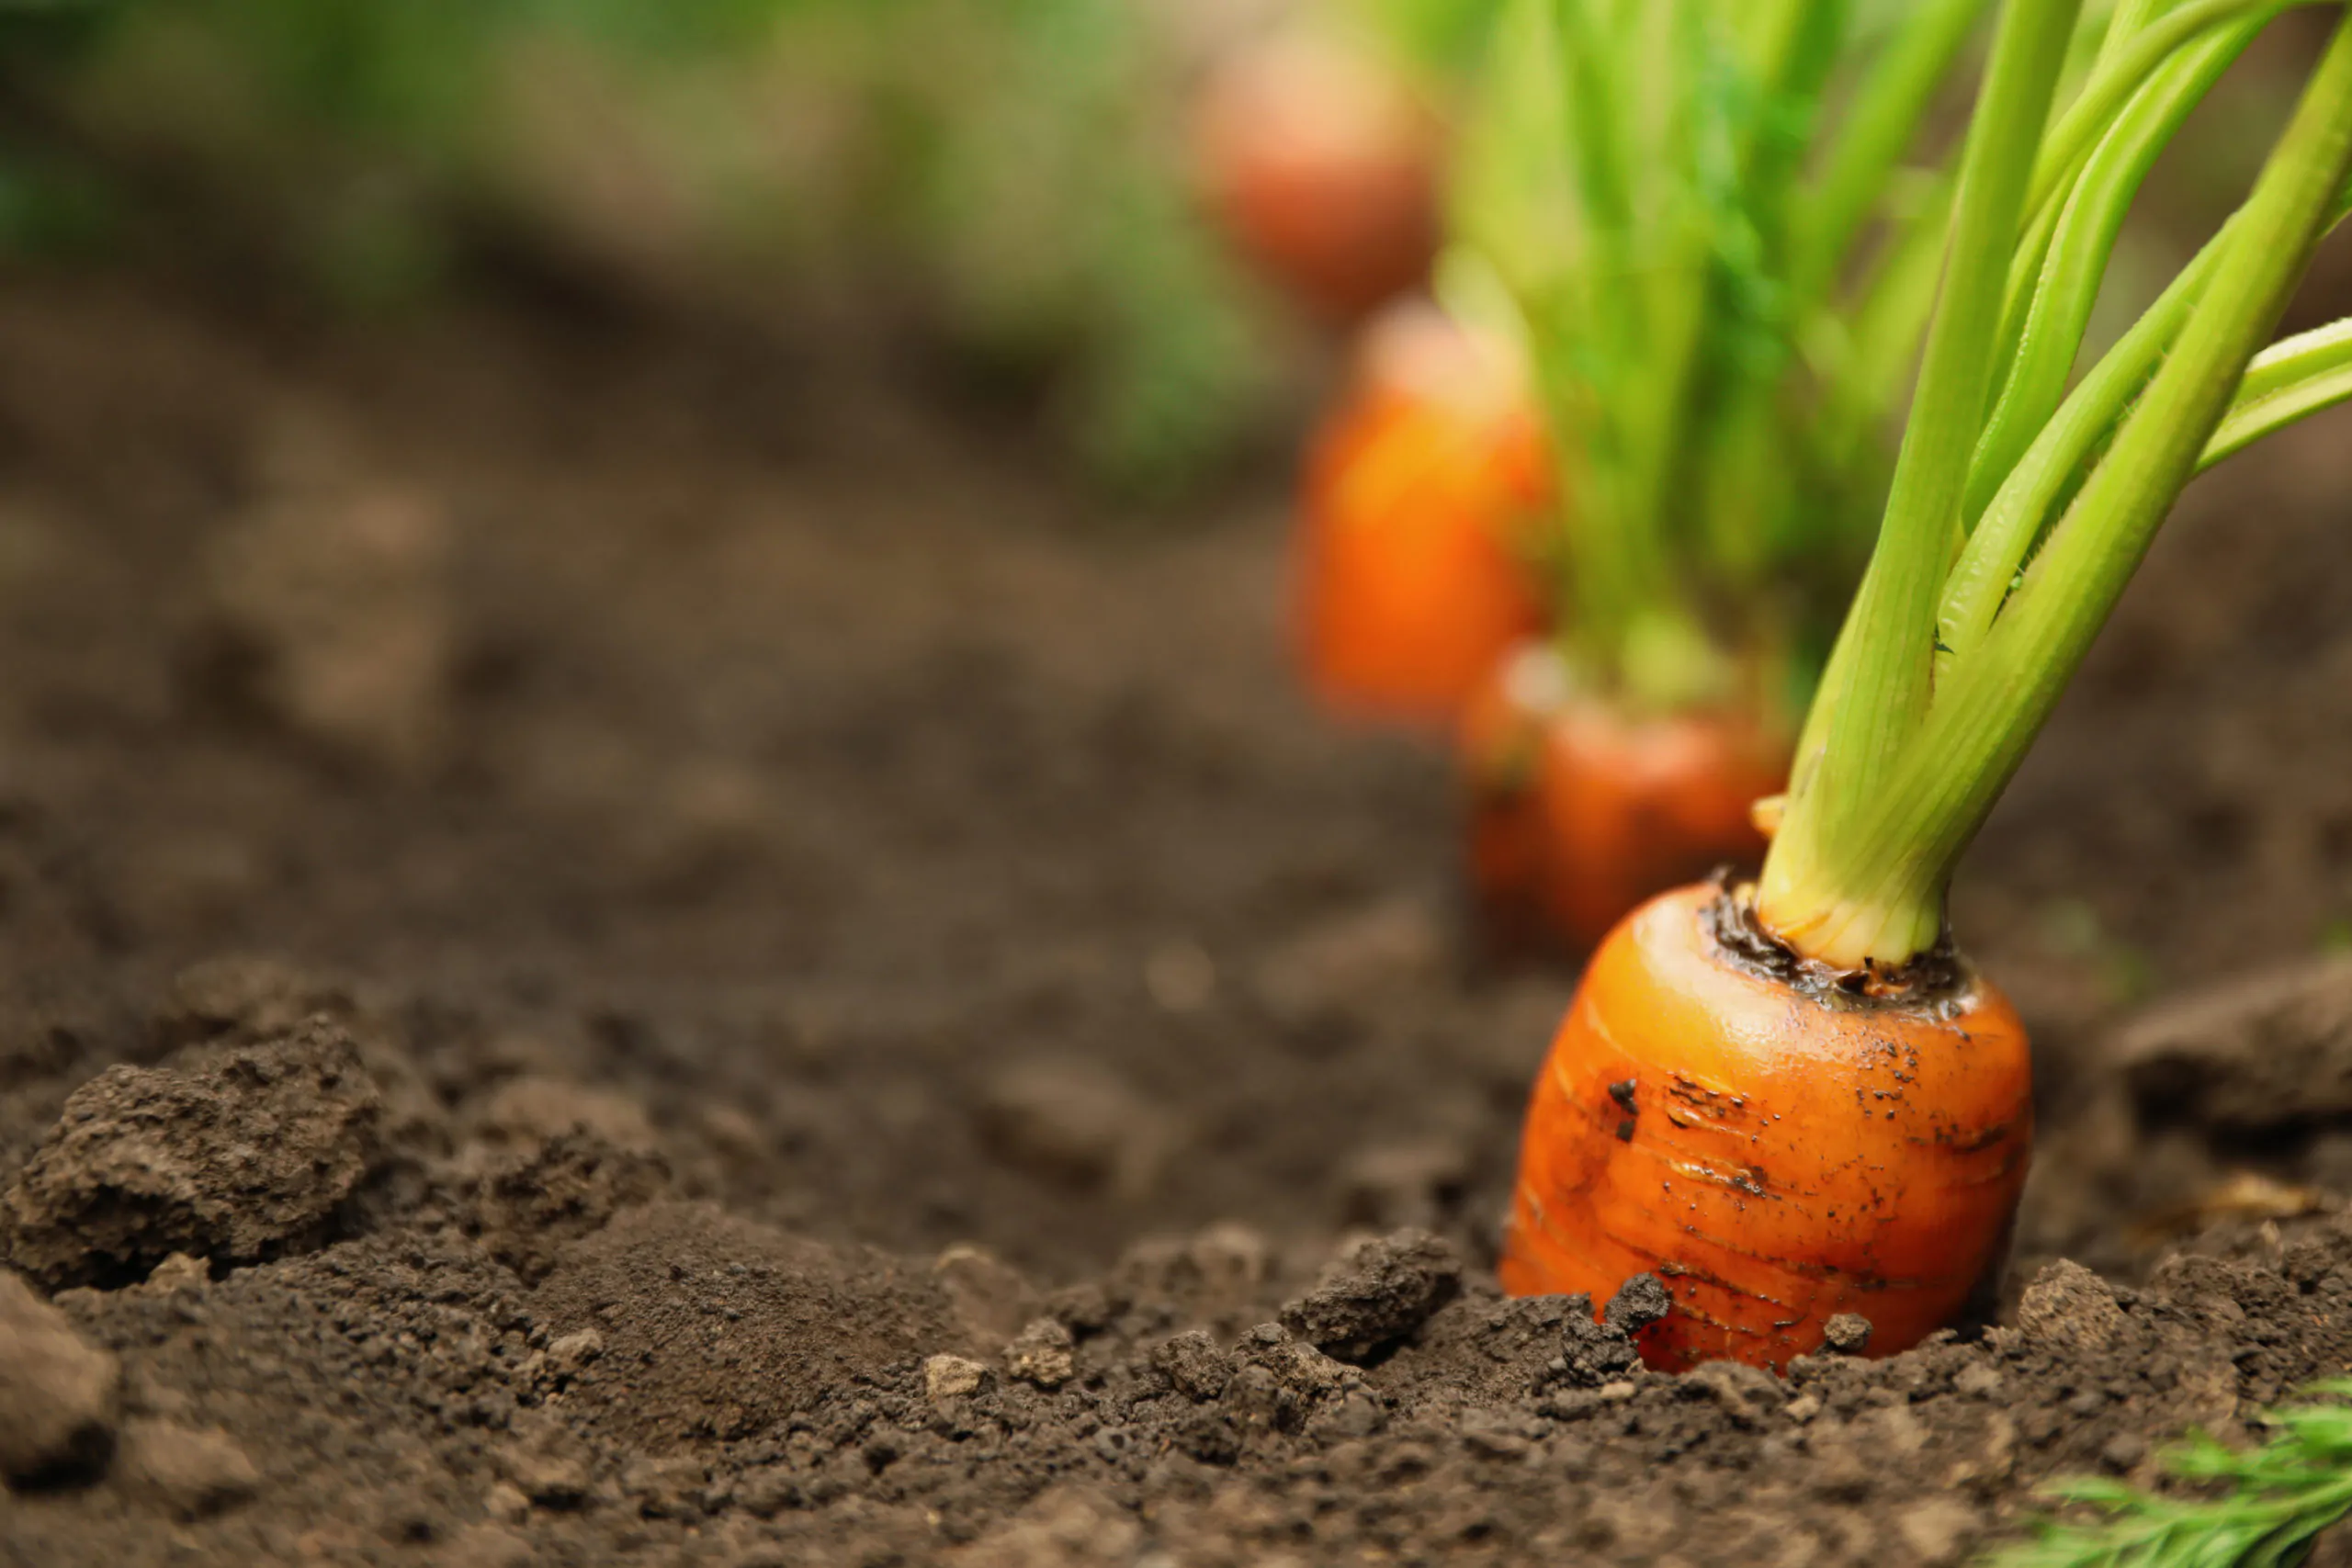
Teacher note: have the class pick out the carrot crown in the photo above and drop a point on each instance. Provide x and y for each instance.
(2018, 508)
(1698, 217)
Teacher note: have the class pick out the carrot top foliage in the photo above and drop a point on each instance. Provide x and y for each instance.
(2270, 1503)
(1702, 220)
(2023, 497)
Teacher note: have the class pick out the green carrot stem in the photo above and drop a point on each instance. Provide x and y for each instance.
(1879, 128)
(2113, 82)
(1876, 893)
(2127, 19)
(2292, 378)
(1980, 581)
(2080, 243)
(1879, 676)
(2285, 383)
(1874, 362)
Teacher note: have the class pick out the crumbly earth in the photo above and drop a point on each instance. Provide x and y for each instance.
(618, 944)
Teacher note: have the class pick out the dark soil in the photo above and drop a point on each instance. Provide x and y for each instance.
(616, 945)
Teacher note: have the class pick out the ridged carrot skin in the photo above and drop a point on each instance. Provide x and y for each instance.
(1322, 169)
(1774, 1157)
(1409, 580)
(1578, 811)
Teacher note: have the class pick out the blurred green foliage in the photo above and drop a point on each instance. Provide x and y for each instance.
(1021, 162)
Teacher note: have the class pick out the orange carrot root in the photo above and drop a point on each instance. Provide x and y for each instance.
(1578, 811)
(1774, 1157)
(1410, 584)
(1323, 170)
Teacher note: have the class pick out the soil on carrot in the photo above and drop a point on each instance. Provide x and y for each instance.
(621, 945)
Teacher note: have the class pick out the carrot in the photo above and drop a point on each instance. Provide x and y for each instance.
(1321, 167)
(1795, 1098)
(1410, 586)
(1580, 808)
(1776, 1154)
(1713, 341)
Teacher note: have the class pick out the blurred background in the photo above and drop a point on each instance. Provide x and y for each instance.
(1024, 192)
(741, 550)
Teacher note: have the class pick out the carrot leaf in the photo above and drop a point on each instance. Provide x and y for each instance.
(1919, 728)
(2262, 1507)
(2287, 381)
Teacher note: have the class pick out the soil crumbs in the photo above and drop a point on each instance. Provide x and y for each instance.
(792, 1025)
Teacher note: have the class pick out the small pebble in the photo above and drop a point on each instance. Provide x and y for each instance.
(1042, 1354)
(569, 1354)
(951, 1377)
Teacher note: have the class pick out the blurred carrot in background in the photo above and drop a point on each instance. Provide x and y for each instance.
(1698, 230)
(1419, 497)
(1322, 164)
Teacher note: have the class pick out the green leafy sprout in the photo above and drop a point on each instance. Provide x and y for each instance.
(2261, 1507)
(1703, 221)
(2022, 497)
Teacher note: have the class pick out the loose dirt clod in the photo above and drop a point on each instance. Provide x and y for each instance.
(330, 616)
(1746, 1393)
(1065, 1527)
(186, 1471)
(245, 1154)
(1639, 1302)
(58, 1393)
(534, 1110)
(1937, 1532)
(1193, 1365)
(1335, 969)
(1375, 1293)
(1074, 1122)
(2069, 1307)
(990, 1297)
(1847, 1334)
(530, 1203)
(486, 1546)
(2270, 1050)
(546, 1462)
(716, 1327)
(669, 1486)
(242, 1000)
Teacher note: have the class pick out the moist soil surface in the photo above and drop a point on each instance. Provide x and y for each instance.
(623, 944)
